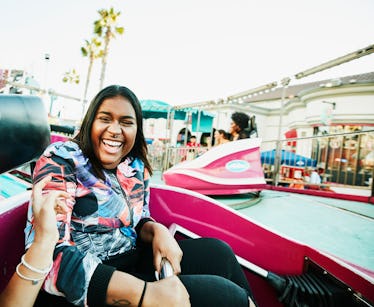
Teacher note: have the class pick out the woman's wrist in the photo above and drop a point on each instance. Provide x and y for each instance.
(40, 253)
(157, 228)
(45, 244)
(152, 229)
(36, 262)
(45, 238)
(142, 295)
(148, 231)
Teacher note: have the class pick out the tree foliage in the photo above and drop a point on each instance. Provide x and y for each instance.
(71, 76)
(107, 28)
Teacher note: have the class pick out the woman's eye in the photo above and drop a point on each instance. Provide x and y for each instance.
(104, 119)
(127, 123)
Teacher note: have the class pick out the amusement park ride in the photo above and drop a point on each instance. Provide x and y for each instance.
(280, 270)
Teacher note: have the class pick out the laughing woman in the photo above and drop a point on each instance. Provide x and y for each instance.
(109, 246)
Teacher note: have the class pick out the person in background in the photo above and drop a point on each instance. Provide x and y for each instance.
(193, 142)
(108, 240)
(193, 153)
(239, 125)
(315, 178)
(253, 126)
(220, 137)
(36, 263)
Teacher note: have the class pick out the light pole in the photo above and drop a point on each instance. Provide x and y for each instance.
(47, 58)
(285, 82)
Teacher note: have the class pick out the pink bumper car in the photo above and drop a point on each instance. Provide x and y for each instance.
(230, 168)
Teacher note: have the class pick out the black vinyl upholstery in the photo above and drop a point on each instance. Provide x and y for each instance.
(24, 130)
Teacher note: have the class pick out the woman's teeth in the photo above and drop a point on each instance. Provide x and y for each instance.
(112, 143)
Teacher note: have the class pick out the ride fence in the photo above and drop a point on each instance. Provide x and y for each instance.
(343, 161)
(164, 157)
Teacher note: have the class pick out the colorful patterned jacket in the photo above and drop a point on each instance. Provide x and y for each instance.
(101, 223)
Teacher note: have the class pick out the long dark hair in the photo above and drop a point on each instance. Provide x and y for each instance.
(83, 138)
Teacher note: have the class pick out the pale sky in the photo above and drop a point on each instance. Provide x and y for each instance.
(185, 51)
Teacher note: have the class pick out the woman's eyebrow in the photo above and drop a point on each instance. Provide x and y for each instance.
(104, 112)
(121, 117)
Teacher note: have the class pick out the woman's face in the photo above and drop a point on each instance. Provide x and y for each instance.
(113, 131)
(234, 128)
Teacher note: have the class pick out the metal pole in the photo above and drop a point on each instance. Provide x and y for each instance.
(198, 121)
(186, 128)
(47, 58)
(277, 160)
(168, 123)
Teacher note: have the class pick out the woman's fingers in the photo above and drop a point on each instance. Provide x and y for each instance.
(38, 187)
(176, 266)
(37, 192)
(57, 200)
(50, 199)
(157, 261)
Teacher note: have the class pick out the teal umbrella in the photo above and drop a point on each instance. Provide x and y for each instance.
(159, 109)
(202, 121)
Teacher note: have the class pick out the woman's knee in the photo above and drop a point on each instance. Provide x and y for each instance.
(211, 290)
(220, 247)
(211, 248)
(212, 243)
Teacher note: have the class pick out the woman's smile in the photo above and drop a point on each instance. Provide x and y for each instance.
(112, 146)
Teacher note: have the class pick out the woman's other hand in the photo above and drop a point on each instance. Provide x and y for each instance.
(45, 206)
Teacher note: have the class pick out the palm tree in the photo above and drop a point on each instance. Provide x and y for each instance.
(106, 27)
(92, 49)
(71, 76)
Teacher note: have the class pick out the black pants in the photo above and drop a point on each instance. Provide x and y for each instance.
(210, 273)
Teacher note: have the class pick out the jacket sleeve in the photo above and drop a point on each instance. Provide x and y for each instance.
(146, 216)
(72, 270)
(146, 212)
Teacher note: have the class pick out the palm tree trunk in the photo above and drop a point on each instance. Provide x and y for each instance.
(104, 60)
(86, 86)
(102, 75)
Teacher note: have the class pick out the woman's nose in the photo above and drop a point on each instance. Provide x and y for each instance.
(115, 128)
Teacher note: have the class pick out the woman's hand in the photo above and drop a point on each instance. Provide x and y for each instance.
(165, 246)
(45, 206)
(167, 292)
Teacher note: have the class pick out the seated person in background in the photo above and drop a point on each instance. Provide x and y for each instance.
(239, 126)
(315, 178)
(109, 246)
(36, 263)
(220, 137)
